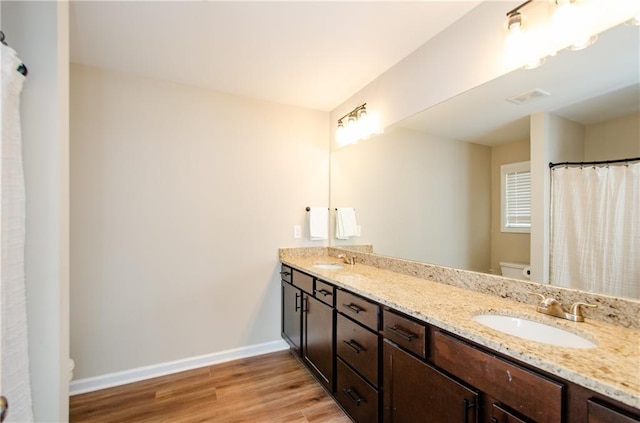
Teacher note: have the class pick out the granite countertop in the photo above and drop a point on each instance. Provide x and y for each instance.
(611, 369)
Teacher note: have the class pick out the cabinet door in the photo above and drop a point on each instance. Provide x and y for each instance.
(601, 413)
(318, 349)
(522, 390)
(416, 392)
(291, 315)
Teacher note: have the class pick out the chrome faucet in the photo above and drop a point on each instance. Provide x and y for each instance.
(553, 307)
(347, 260)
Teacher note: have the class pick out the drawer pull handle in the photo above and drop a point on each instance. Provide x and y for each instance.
(353, 395)
(283, 273)
(298, 307)
(401, 333)
(467, 405)
(353, 345)
(324, 292)
(353, 308)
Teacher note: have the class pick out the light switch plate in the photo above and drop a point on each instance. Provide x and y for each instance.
(297, 232)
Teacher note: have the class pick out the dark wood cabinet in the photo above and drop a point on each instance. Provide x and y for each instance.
(358, 347)
(499, 414)
(291, 315)
(302, 281)
(599, 412)
(363, 311)
(358, 357)
(405, 332)
(528, 393)
(414, 391)
(318, 335)
(324, 292)
(418, 372)
(358, 398)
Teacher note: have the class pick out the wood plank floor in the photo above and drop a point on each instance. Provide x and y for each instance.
(264, 389)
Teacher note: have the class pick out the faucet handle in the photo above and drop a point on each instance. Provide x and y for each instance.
(542, 297)
(576, 312)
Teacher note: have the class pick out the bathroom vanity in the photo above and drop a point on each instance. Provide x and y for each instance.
(391, 347)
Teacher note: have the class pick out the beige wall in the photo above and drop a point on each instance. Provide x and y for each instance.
(506, 246)
(180, 199)
(39, 32)
(417, 197)
(614, 139)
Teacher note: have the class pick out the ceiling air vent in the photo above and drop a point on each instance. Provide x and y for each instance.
(528, 97)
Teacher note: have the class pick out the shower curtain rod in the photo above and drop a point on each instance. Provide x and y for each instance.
(22, 68)
(632, 159)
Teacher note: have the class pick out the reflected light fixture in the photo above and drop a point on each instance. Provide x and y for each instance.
(359, 125)
(571, 26)
(519, 44)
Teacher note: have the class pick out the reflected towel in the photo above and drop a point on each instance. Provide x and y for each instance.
(346, 224)
(318, 223)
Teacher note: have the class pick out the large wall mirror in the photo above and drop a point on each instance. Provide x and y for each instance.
(428, 189)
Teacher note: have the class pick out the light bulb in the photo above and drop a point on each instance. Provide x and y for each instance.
(515, 39)
(364, 129)
(351, 131)
(572, 25)
(565, 12)
(341, 134)
(522, 48)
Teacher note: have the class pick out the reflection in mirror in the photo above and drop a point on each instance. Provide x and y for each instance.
(428, 189)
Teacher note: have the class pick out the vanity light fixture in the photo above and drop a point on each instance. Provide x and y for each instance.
(571, 27)
(520, 45)
(359, 125)
(571, 23)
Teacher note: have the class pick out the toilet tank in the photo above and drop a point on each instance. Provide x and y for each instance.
(515, 270)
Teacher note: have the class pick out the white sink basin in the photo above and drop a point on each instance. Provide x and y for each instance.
(533, 331)
(333, 266)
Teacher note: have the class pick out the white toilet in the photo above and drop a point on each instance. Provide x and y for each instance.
(515, 270)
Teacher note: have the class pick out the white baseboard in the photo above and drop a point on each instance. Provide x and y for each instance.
(95, 383)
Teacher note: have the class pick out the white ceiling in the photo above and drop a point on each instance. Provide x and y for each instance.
(308, 54)
(587, 86)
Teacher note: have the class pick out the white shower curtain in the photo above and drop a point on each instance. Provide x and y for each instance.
(14, 358)
(595, 228)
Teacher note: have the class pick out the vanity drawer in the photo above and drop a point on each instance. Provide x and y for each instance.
(526, 392)
(405, 332)
(324, 292)
(361, 310)
(499, 414)
(601, 413)
(285, 273)
(302, 281)
(358, 347)
(357, 397)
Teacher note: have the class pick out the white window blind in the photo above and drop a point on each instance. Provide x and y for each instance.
(516, 197)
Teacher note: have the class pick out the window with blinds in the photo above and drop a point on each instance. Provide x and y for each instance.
(516, 197)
